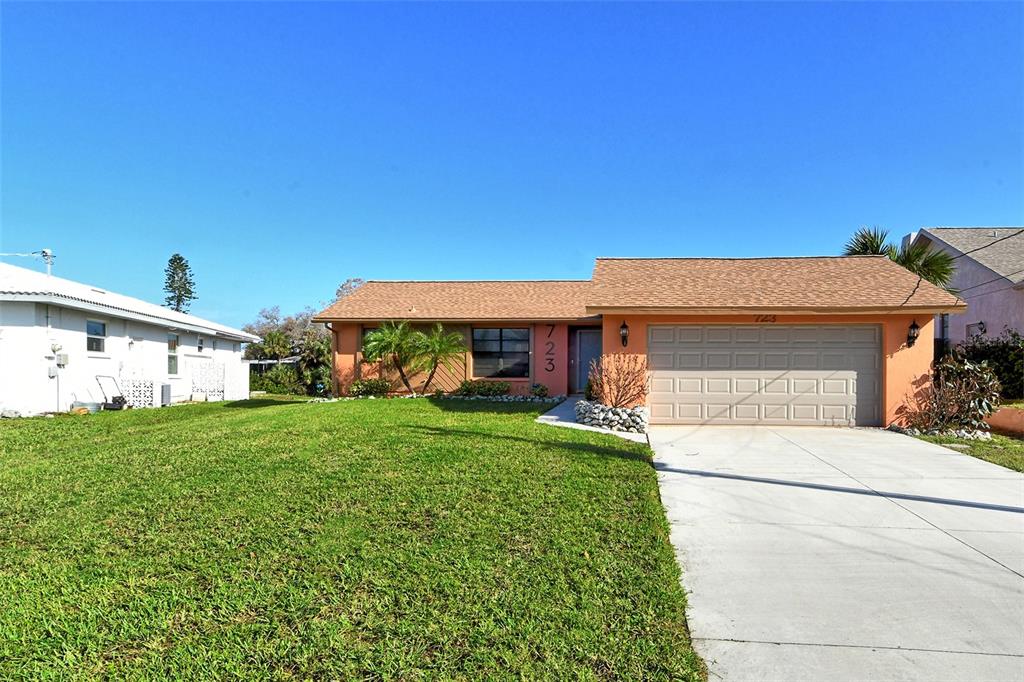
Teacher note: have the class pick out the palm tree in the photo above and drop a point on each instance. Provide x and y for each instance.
(921, 259)
(435, 348)
(276, 345)
(395, 342)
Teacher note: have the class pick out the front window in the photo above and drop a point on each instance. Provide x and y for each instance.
(501, 353)
(199, 345)
(96, 336)
(172, 353)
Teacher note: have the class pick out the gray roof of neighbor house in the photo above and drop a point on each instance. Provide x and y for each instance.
(22, 284)
(1000, 249)
(810, 283)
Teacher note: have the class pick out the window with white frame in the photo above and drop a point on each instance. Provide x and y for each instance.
(95, 336)
(172, 353)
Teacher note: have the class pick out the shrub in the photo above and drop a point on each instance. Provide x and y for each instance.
(539, 391)
(588, 391)
(282, 379)
(1004, 354)
(365, 387)
(482, 387)
(961, 395)
(619, 379)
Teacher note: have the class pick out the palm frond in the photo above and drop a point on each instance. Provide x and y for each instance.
(868, 241)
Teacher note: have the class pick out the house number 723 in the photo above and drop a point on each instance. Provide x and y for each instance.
(549, 350)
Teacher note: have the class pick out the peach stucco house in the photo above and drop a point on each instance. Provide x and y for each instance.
(815, 340)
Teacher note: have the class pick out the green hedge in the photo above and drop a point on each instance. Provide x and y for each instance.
(1004, 354)
(483, 388)
(365, 387)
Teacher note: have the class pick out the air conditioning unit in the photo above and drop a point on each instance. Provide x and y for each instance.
(165, 395)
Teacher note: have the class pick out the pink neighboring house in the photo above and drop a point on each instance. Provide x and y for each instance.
(989, 276)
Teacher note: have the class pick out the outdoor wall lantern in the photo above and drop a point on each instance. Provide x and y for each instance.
(624, 333)
(912, 334)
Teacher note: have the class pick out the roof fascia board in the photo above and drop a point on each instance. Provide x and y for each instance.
(642, 310)
(128, 315)
(459, 320)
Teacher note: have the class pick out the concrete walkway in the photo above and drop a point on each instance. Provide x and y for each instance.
(564, 414)
(844, 554)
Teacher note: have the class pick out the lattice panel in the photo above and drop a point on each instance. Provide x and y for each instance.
(137, 392)
(208, 378)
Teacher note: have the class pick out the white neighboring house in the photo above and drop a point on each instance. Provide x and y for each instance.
(58, 336)
(989, 276)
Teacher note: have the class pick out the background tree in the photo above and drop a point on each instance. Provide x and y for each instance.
(347, 287)
(276, 345)
(435, 348)
(395, 343)
(931, 264)
(315, 359)
(179, 284)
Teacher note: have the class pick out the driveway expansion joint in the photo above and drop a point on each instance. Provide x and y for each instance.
(907, 509)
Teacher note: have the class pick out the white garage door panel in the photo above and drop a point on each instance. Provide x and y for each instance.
(798, 374)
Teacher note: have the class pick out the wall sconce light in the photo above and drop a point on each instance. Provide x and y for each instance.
(624, 333)
(912, 334)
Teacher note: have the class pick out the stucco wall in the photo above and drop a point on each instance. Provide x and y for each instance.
(131, 349)
(905, 370)
(994, 303)
(549, 356)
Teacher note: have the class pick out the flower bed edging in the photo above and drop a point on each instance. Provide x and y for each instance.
(507, 398)
(963, 434)
(631, 419)
(549, 400)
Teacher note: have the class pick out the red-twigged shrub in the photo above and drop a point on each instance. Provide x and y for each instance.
(620, 379)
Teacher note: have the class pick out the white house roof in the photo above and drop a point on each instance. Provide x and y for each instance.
(22, 284)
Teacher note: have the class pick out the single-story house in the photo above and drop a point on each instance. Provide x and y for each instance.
(63, 342)
(815, 340)
(989, 276)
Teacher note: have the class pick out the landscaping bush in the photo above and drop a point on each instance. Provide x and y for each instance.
(588, 391)
(961, 395)
(367, 387)
(539, 391)
(619, 379)
(279, 379)
(482, 387)
(1004, 354)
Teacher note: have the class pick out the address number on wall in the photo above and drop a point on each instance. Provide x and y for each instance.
(549, 350)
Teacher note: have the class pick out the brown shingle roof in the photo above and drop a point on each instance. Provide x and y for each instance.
(479, 300)
(812, 284)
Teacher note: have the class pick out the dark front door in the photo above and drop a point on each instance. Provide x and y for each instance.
(586, 348)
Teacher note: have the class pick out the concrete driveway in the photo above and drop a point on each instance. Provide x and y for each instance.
(844, 554)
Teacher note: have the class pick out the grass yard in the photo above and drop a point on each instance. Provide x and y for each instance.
(397, 539)
(1002, 450)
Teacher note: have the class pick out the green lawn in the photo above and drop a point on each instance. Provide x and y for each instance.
(1002, 450)
(393, 539)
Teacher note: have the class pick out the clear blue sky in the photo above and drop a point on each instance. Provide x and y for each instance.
(283, 148)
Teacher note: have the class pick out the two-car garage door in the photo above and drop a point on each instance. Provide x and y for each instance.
(771, 374)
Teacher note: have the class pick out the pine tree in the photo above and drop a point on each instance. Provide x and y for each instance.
(179, 284)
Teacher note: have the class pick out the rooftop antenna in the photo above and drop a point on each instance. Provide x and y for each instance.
(45, 254)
